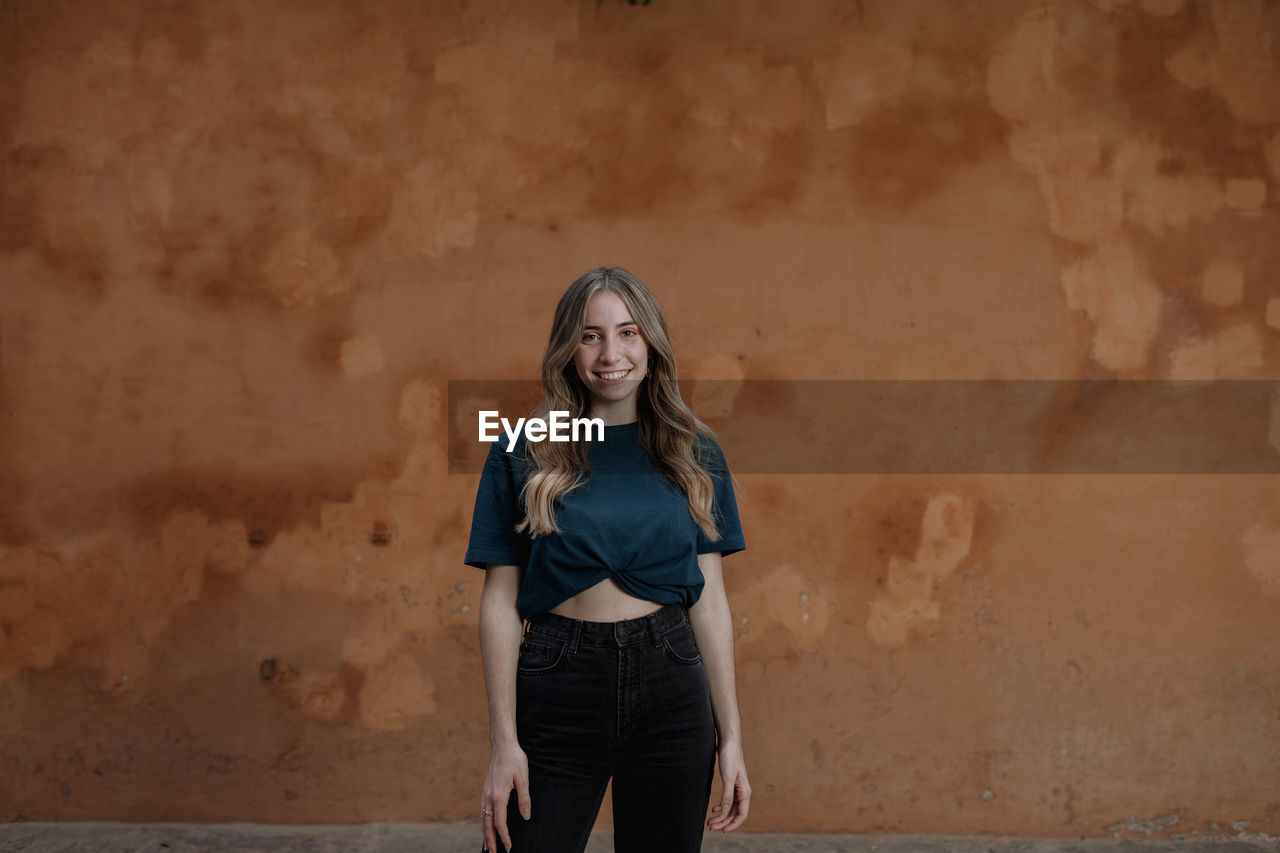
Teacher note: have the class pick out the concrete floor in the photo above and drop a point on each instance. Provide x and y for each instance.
(464, 837)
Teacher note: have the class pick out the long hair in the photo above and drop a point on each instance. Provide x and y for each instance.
(667, 428)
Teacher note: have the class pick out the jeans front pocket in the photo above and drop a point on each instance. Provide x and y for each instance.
(682, 645)
(540, 654)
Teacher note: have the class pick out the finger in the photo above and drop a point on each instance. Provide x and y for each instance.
(500, 819)
(725, 821)
(722, 809)
(486, 823)
(523, 800)
(720, 817)
(743, 806)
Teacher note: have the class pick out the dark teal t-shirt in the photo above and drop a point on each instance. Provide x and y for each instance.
(626, 521)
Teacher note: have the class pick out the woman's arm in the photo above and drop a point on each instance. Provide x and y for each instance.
(500, 633)
(713, 627)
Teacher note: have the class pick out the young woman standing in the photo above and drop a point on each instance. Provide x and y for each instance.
(610, 552)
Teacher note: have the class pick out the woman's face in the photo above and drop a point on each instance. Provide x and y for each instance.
(611, 358)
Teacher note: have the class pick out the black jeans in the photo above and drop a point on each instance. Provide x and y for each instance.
(627, 700)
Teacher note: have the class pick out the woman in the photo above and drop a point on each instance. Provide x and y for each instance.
(611, 551)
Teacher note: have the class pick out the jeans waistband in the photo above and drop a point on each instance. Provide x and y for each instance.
(626, 632)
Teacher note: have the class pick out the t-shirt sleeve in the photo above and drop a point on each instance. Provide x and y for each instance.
(724, 507)
(497, 512)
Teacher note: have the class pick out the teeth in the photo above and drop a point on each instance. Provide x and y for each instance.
(610, 377)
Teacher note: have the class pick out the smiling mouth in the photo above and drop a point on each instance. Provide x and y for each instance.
(615, 376)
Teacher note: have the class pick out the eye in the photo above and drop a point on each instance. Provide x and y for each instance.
(590, 338)
(629, 333)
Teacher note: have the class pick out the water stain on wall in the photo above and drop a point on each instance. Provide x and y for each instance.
(908, 602)
(1262, 556)
(910, 149)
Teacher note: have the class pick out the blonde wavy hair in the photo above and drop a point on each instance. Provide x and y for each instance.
(667, 428)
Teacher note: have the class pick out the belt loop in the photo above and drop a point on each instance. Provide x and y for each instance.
(652, 619)
(574, 635)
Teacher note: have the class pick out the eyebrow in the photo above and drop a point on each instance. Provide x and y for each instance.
(619, 326)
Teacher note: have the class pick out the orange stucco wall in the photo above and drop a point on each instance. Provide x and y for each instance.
(244, 247)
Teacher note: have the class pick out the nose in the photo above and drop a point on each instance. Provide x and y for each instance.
(609, 351)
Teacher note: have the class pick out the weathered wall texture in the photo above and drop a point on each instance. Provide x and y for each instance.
(244, 246)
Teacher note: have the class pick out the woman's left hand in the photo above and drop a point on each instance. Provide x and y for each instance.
(732, 808)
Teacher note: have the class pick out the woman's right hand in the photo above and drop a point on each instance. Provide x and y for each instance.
(500, 631)
(508, 769)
